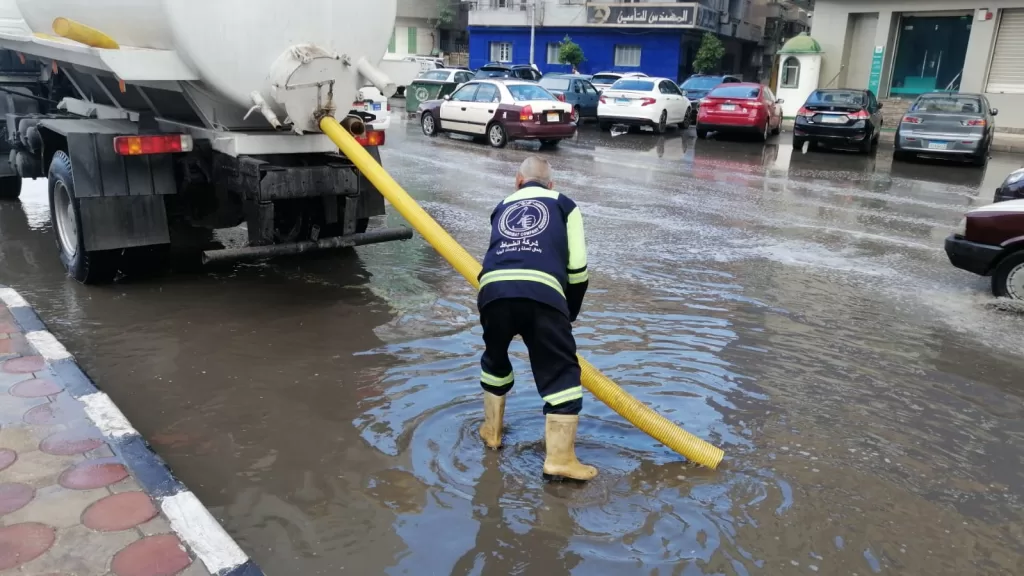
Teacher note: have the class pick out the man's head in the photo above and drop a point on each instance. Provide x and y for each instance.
(535, 169)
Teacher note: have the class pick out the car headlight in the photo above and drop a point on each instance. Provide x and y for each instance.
(1014, 177)
(961, 228)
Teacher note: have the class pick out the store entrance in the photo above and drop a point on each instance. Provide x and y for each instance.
(930, 54)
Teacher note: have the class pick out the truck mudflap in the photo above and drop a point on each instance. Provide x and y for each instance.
(293, 248)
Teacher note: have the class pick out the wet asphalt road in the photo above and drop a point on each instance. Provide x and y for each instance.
(796, 310)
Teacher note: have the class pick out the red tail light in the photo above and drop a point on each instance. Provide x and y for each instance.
(389, 106)
(526, 114)
(805, 112)
(603, 100)
(156, 144)
(755, 104)
(975, 122)
(859, 115)
(647, 101)
(560, 96)
(372, 138)
(911, 120)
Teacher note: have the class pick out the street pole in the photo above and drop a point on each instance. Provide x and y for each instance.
(533, 27)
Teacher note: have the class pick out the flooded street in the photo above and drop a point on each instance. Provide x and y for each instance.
(796, 310)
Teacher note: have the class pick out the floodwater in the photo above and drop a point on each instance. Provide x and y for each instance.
(797, 310)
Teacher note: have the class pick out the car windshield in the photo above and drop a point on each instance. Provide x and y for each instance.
(734, 91)
(492, 73)
(948, 104)
(435, 75)
(634, 85)
(836, 98)
(604, 78)
(555, 83)
(525, 92)
(702, 83)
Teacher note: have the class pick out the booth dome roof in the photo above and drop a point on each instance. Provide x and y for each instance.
(801, 44)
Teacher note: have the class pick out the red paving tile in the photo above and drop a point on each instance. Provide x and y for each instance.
(14, 497)
(93, 474)
(153, 556)
(22, 543)
(119, 512)
(7, 457)
(23, 365)
(70, 442)
(48, 414)
(7, 328)
(6, 346)
(35, 388)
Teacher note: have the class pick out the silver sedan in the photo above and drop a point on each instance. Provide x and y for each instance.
(944, 124)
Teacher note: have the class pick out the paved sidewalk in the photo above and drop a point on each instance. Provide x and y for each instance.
(71, 498)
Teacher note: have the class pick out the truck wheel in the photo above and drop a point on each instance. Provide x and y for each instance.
(1008, 277)
(10, 187)
(97, 267)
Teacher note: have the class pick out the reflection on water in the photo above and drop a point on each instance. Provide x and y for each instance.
(794, 309)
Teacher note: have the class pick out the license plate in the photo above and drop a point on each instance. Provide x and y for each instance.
(622, 101)
(376, 106)
(834, 119)
(553, 117)
(936, 145)
(728, 107)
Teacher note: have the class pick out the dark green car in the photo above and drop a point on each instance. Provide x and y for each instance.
(434, 85)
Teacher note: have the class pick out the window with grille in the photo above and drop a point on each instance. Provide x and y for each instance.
(627, 56)
(790, 73)
(553, 53)
(501, 51)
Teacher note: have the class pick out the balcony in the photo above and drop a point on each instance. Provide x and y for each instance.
(517, 12)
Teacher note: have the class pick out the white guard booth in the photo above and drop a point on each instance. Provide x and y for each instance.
(799, 72)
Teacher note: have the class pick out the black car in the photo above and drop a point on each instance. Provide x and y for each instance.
(498, 70)
(1012, 188)
(840, 117)
(697, 87)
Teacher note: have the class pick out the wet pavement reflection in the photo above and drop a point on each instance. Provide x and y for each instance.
(796, 309)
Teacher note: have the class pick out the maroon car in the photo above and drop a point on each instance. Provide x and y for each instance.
(990, 242)
(500, 110)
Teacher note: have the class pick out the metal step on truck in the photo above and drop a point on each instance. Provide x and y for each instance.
(153, 119)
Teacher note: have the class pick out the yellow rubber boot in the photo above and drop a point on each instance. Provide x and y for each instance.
(494, 415)
(560, 441)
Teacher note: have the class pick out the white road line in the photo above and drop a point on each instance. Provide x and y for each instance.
(201, 531)
(12, 299)
(107, 417)
(47, 345)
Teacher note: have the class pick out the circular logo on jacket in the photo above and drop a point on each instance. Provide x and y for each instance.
(524, 219)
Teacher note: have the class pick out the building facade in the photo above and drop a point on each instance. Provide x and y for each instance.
(421, 30)
(903, 48)
(657, 38)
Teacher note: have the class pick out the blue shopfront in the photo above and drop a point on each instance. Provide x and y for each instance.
(657, 41)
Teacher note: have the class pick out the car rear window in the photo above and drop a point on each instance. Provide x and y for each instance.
(733, 91)
(435, 75)
(948, 104)
(702, 83)
(555, 83)
(605, 78)
(492, 73)
(836, 98)
(635, 85)
(526, 92)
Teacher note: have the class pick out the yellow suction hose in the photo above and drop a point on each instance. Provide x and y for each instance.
(644, 418)
(85, 34)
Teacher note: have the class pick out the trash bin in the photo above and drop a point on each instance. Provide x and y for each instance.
(422, 90)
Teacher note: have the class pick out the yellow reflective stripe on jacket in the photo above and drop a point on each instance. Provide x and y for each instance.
(531, 192)
(578, 277)
(522, 274)
(574, 393)
(492, 380)
(577, 242)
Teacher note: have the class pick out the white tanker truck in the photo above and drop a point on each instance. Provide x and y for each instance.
(150, 116)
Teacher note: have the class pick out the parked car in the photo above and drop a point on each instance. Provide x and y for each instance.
(990, 242)
(1012, 188)
(575, 89)
(839, 117)
(498, 70)
(604, 80)
(696, 87)
(740, 107)
(372, 101)
(502, 110)
(944, 124)
(644, 101)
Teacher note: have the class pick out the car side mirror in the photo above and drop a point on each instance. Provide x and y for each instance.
(879, 105)
(447, 96)
(780, 101)
(995, 111)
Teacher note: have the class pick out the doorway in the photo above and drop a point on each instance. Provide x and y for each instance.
(930, 54)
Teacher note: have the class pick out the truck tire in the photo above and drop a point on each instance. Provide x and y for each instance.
(1008, 277)
(10, 187)
(97, 267)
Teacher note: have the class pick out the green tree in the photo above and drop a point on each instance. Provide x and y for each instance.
(570, 53)
(709, 55)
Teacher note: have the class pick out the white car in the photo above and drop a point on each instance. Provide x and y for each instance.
(603, 80)
(500, 110)
(372, 101)
(654, 102)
